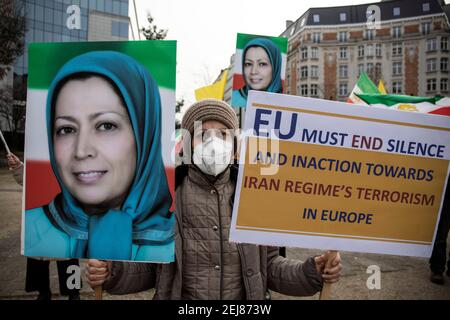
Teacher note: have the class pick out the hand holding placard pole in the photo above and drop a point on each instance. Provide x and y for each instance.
(98, 293)
(325, 294)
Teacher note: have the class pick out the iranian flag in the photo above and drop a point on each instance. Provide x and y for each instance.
(364, 85)
(435, 105)
(45, 59)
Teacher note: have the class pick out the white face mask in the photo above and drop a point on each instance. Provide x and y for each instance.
(213, 155)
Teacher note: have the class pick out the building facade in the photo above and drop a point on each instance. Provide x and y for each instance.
(62, 21)
(404, 43)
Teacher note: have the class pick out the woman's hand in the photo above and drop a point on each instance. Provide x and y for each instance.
(97, 271)
(13, 161)
(330, 271)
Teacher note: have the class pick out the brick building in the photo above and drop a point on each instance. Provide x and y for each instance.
(408, 49)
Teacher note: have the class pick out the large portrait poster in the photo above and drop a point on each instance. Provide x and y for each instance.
(335, 176)
(99, 176)
(259, 64)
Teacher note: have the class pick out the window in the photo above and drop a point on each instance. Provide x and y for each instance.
(425, 28)
(368, 34)
(314, 71)
(369, 50)
(397, 32)
(378, 69)
(115, 29)
(304, 51)
(46, 3)
(343, 89)
(316, 37)
(109, 6)
(314, 53)
(343, 71)
(119, 29)
(397, 49)
(431, 44)
(396, 11)
(360, 68)
(342, 36)
(124, 9)
(431, 65)
(48, 15)
(360, 51)
(378, 50)
(431, 85)
(304, 89)
(444, 44)
(397, 87)
(39, 13)
(316, 18)
(57, 17)
(124, 30)
(292, 31)
(369, 68)
(343, 16)
(116, 7)
(444, 84)
(48, 37)
(304, 72)
(101, 5)
(302, 22)
(396, 68)
(343, 52)
(313, 90)
(426, 7)
(444, 64)
(38, 35)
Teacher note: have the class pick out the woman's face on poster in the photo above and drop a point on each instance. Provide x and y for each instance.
(257, 68)
(94, 145)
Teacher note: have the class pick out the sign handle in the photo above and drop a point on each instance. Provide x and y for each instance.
(4, 143)
(98, 293)
(325, 294)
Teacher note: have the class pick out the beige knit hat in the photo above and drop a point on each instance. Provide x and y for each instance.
(209, 109)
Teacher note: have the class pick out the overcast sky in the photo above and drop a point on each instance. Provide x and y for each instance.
(206, 30)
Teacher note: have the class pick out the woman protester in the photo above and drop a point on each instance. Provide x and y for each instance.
(261, 66)
(103, 118)
(207, 265)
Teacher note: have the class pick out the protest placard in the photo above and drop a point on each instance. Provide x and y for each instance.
(335, 176)
(259, 64)
(98, 140)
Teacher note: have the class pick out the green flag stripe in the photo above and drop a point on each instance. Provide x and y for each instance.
(243, 38)
(366, 85)
(393, 99)
(45, 59)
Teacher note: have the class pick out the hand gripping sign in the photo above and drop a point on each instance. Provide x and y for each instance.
(335, 176)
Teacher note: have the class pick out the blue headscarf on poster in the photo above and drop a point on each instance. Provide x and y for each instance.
(274, 54)
(145, 216)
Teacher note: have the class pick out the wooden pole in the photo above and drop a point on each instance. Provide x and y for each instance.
(325, 294)
(99, 293)
(4, 143)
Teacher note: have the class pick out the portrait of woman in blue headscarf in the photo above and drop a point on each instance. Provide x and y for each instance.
(261, 68)
(103, 116)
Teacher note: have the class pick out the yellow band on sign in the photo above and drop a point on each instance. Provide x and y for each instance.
(321, 190)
